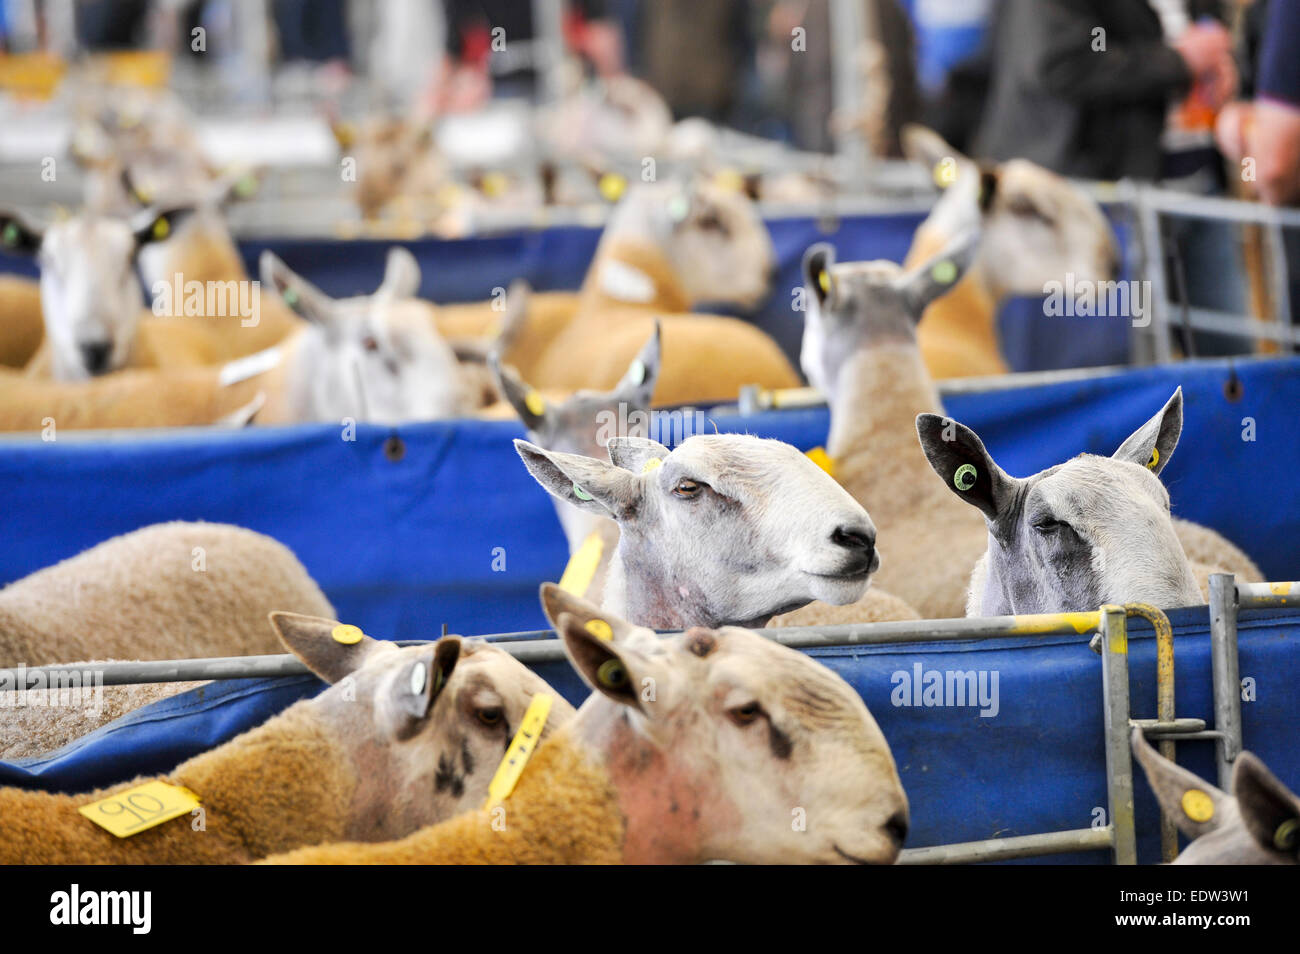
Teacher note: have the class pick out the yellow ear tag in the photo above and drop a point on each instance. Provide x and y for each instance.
(1154, 462)
(535, 403)
(945, 172)
(824, 280)
(495, 185)
(1286, 835)
(730, 180)
(521, 749)
(654, 463)
(822, 459)
(582, 565)
(138, 809)
(611, 187)
(1197, 805)
(347, 634)
(600, 629)
(945, 272)
(161, 229)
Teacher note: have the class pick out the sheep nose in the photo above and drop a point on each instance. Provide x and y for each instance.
(94, 355)
(860, 543)
(897, 826)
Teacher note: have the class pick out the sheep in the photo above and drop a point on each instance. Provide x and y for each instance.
(167, 591)
(90, 298)
(860, 350)
(1091, 531)
(666, 246)
(22, 326)
(738, 735)
(402, 738)
(369, 358)
(726, 529)
(1037, 227)
(580, 425)
(1258, 824)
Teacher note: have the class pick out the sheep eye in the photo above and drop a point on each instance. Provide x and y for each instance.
(1046, 525)
(491, 717)
(687, 488)
(744, 715)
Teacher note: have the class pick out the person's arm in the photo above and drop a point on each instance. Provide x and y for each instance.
(1126, 70)
(1279, 55)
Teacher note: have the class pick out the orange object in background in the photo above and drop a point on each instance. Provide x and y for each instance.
(31, 75)
(148, 68)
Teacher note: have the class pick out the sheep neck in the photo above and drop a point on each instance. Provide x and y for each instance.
(293, 760)
(642, 256)
(872, 438)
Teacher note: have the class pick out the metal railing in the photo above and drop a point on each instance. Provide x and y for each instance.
(1110, 641)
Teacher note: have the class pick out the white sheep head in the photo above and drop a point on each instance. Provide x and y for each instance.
(855, 306)
(428, 724)
(1038, 227)
(726, 745)
(1258, 824)
(713, 238)
(1091, 531)
(726, 528)
(91, 298)
(372, 357)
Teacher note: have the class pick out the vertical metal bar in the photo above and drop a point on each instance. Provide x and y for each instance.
(1153, 256)
(848, 36)
(1279, 275)
(1227, 673)
(1164, 706)
(1119, 759)
(548, 48)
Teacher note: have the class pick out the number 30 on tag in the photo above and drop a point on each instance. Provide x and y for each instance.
(137, 809)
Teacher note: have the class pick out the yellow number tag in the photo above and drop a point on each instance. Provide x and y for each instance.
(582, 565)
(140, 808)
(521, 749)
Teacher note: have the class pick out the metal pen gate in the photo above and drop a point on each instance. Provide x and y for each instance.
(1110, 641)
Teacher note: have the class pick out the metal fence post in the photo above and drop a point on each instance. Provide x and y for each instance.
(1227, 673)
(1119, 759)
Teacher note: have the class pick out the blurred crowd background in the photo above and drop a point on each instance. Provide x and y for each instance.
(1099, 89)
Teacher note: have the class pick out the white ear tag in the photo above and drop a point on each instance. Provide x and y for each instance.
(636, 372)
(418, 678)
(621, 281)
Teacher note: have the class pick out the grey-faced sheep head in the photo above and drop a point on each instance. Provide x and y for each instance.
(1258, 824)
(726, 528)
(428, 725)
(723, 744)
(855, 306)
(584, 422)
(91, 298)
(1037, 227)
(1093, 530)
(714, 238)
(372, 357)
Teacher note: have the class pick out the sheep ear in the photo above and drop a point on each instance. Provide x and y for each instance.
(330, 649)
(634, 453)
(1152, 444)
(513, 321)
(637, 385)
(817, 263)
(306, 300)
(401, 274)
(924, 145)
(17, 236)
(936, 277)
(1269, 810)
(958, 456)
(557, 601)
(417, 684)
(527, 402)
(152, 225)
(608, 666)
(589, 484)
(1195, 805)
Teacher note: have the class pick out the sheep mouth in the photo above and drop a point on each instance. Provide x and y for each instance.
(854, 859)
(853, 575)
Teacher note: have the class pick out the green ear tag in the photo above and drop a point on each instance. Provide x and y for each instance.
(945, 272)
(11, 234)
(679, 206)
(290, 297)
(1287, 835)
(964, 479)
(580, 493)
(245, 187)
(612, 674)
(161, 229)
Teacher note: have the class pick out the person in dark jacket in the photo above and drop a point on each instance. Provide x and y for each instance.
(1084, 86)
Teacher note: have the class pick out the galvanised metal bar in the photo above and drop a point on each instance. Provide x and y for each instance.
(1267, 595)
(1119, 758)
(1164, 705)
(1003, 849)
(1227, 673)
(542, 646)
(1151, 238)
